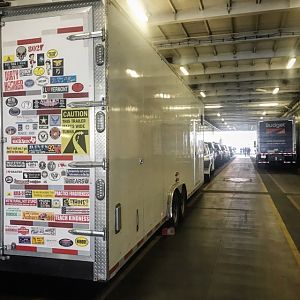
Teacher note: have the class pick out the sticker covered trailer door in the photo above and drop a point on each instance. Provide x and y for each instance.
(46, 198)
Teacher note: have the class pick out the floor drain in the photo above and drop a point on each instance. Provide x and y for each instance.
(238, 179)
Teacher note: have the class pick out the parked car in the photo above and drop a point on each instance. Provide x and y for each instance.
(212, 149)
(209, 163)
(231, 151)
(226, 153)
(219, 154)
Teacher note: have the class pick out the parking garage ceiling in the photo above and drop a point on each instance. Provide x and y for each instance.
(236, 52)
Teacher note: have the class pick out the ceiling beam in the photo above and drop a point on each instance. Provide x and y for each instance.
(225, 39)
(239, 69)
(220, 93)
(242, 55)
(263, 84)
(247, 7)
(210, 79)
(249, 98)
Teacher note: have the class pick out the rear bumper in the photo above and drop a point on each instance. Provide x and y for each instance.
(269, 158)
(48, 267)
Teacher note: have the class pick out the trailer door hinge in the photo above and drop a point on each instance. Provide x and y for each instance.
(89, 164)
(93, 233)
(87, 35)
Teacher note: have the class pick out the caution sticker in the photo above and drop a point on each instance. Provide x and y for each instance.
(75, 131)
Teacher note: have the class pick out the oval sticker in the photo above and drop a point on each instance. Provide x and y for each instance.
(52, 53)
(29, 83)
(66, 242)
(42, 80)
(81, 241)
(38, 71)
(9, 179)
(77, 87)
(14, 111)
(10, 130)
(11, 101)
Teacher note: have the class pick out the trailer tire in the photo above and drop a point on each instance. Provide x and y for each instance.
(174, 221)
(183, 199)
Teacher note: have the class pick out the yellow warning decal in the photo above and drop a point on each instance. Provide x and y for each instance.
(75, 131)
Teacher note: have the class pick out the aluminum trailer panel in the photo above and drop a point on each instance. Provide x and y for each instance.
(91, 153)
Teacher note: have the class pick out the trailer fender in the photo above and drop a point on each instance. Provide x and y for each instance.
(181, 189)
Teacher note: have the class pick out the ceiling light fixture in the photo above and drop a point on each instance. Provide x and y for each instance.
(264, 113)
(218, 114)
(222, 120)
(291, 62)
(132, 73)
(261, 118)
(269, 104)
(138, 10)
(202, 94)
(213, 106)
(184, 70)
(275, 91)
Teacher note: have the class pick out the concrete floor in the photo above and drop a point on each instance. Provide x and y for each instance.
(232, 245)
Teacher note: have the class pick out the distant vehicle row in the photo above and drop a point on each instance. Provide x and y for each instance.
(215, 155)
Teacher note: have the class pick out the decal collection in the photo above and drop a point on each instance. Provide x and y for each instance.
(43, 196)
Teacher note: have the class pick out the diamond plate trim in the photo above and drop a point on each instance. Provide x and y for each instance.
(101, 213)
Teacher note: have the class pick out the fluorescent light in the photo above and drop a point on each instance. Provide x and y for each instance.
(275, 91)
(264, 113)
(222, 120)
(261, 118)
(218, 114)
(138, 10)
(202, 94)
(225, 123)
(132, 73)
(213, 106)
(268, 104)
(184, 70)
(291, 62)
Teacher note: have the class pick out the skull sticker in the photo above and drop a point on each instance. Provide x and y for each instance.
(21, 52)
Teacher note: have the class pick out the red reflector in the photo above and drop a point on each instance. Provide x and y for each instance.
(29, 41)
(26, 248)
(65, 251)
(70, 29)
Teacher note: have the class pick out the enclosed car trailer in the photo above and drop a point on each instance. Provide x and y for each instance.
(94, 158)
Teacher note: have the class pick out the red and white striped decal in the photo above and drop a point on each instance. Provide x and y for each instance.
(64, 251)
(75, 95)
(26, 248)
(19, 157)
(29, 41)
(60, 157)
(132, 251)
(69, 29)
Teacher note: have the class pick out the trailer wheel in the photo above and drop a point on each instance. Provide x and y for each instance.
(175, 209)
(183, 199)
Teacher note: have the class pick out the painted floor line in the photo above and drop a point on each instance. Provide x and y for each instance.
(286, 233)
(296, 205)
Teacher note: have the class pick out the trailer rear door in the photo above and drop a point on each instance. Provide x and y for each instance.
(43, 72)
